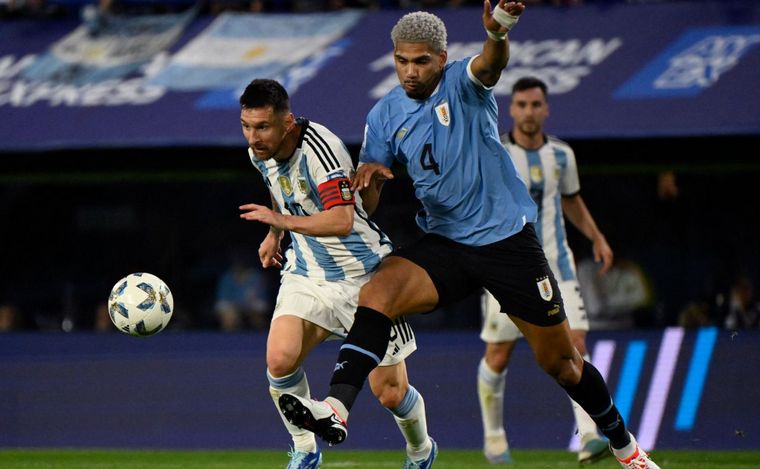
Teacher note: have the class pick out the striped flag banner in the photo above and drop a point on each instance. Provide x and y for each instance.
(108, 48)
(237, 47)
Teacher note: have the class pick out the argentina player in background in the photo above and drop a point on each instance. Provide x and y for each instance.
(441, 124)
(335, 249)
(548, 167)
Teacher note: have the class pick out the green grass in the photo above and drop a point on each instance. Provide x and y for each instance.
(335, 459)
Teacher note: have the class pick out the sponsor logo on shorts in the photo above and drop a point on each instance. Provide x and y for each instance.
(545, 288)
(340, 365)
(553, 311)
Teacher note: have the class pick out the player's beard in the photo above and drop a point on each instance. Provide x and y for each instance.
(530, 128)
(418, 92)
(421, 89)
(262, 153)
(265, 152)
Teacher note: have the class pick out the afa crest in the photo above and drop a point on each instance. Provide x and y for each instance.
(303, 186)
(285, 185)
(345, 190)
(536, 174)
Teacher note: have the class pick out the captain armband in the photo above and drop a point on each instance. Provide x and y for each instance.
(336, 192)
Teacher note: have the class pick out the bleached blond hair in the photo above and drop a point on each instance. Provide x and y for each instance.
(420, 26)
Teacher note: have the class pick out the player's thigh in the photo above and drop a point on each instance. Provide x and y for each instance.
(497, 327)
(399, 287)
(515, 271)
(307, 312)
(289, 342)
(427, 273)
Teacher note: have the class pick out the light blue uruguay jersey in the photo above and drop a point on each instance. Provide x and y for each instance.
(321, 157)
(550, 173)
(449, 143)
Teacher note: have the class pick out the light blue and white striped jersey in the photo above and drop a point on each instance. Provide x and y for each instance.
(321, 156)
(550, 173)
(449, 143)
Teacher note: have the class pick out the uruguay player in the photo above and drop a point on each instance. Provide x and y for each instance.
(548, 167)
(441, 123)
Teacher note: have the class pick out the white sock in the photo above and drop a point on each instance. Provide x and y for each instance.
(294, 383)
(585, 425)
(411, 420)
(491, 395)
(626, 451)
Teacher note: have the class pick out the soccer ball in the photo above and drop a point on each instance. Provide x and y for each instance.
(140, 304)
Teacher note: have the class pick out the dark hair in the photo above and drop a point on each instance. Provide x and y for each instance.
(263, 93)
(527, 83)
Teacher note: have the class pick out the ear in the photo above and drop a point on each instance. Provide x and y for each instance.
(290, 122)
(443, 55)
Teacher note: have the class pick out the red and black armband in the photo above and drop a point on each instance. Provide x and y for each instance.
(336, 192)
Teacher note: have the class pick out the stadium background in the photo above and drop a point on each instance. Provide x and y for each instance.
(92, 191)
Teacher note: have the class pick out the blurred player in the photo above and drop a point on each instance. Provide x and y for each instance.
(547, 165)
(441, 123)
(335, 250)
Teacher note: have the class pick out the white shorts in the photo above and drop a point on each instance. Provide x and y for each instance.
(497, 327)
(331, 305)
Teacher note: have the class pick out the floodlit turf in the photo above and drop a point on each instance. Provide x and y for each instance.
(338, 459)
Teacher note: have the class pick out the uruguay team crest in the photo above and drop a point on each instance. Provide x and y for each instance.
(287, 188)
(442, 111)
(545, 288)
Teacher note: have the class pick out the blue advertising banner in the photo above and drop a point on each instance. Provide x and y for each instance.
(622, 70)
(677, 389)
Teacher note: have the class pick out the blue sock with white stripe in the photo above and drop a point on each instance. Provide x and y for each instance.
(360, 353)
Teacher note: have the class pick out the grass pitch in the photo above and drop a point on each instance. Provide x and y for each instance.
(338, 459)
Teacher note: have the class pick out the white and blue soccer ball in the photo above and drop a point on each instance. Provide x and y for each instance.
(140, 304)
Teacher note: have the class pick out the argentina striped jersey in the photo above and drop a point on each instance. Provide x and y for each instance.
(550, 173)
(321, 156)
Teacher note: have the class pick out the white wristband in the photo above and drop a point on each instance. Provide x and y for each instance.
(503, 18)
(496, 36)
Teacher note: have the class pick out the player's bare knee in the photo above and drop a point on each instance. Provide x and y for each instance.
(580, 345)
(562, 369)
(281, 362)
(390, 396)
(497, 358)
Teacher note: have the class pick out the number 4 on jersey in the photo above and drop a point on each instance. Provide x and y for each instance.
(427, 161)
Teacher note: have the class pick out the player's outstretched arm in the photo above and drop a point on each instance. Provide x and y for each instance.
(337, 221)
(577, 212)
(488, 65)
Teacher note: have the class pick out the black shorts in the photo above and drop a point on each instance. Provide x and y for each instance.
(514, 270)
